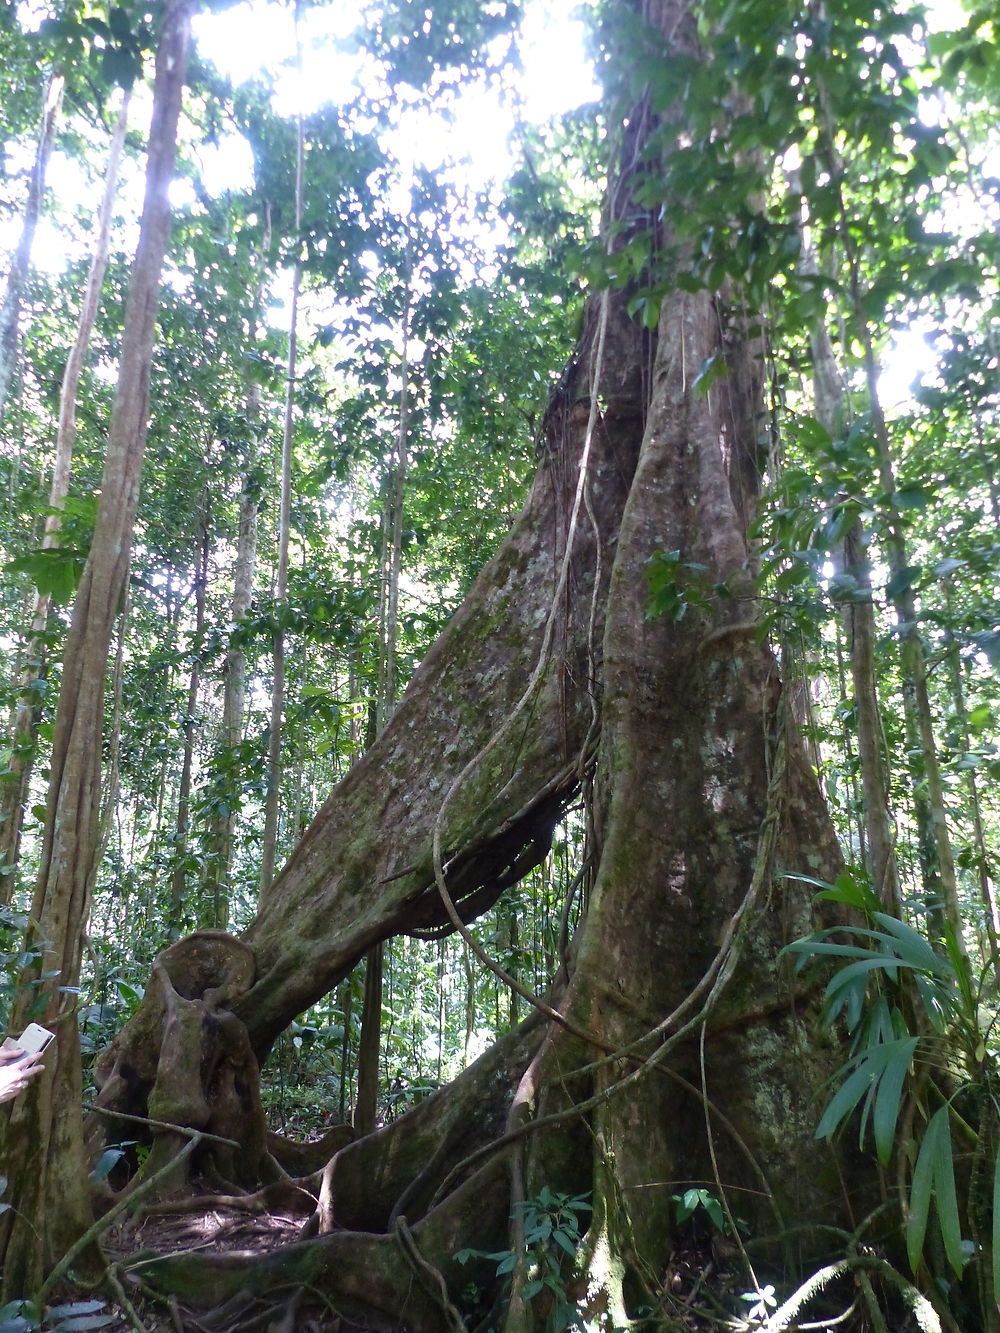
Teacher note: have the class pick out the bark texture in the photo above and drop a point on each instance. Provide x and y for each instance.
(363, 870)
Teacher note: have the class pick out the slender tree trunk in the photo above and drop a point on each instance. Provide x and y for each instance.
(221, 831)
(178, 880)
(514, 941)
(48, 1188)
(345, 1002)
(376, 719)
(926, 772)
(273, 803)
(470, 1002)
(858, 615)
(371, 1013)
(936, 850)
(984, 864)
(10, 311)
(366, 1107)
(398, 501)
(109, 801)
(27, 714)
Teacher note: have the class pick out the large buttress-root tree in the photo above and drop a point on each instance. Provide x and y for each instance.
(671, 1049)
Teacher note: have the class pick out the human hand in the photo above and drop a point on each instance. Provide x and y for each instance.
(17, 1068)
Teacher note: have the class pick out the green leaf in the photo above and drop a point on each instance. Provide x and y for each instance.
(912, 948)
(911, 497)
(920, 1197)
(712, 368)
(830, 948)
(845, 889)
(55, 571)
(564, 1242)
(960, 965)
(890, 1091)
(714, 1210)
(844, 1101)
(945, 1194)
(105, 1164)
(934, 1174)
(901, 582)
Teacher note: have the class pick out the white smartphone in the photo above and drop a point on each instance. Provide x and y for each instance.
(34, 1038)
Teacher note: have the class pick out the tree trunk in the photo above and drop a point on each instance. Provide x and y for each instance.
(937, 856)
(178, 879)
(371, 1011)
(48, 1190)
(985, 873)
(366, 1106)
(10, 310)
(859, 622)
(221, 830)
(272, 805)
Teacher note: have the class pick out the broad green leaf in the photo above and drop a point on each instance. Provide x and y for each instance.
(714, 1210)
(105, 1164)
(75, 1308)
(900, 582)
(853, 971)
(55, 571)
(852, 892)
(911, 497)
(564, 1242)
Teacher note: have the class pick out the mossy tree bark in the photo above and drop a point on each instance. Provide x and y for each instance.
(675, 1048)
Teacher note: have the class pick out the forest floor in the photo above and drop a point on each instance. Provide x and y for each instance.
(215, 1227)
(699, 1275)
